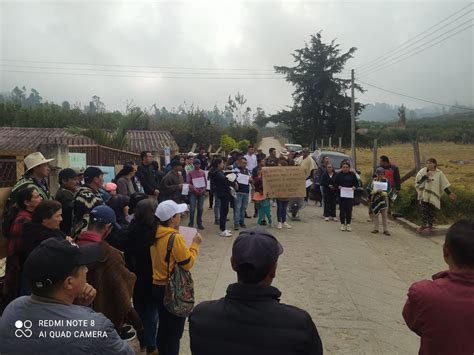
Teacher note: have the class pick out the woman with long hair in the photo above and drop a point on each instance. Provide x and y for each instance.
(139, 237)
(125, 181)
(430, 183)
(26, 202)
(120, 205)
(221, 187)
(346, 179)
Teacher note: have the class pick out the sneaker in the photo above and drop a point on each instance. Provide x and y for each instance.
(348, 228)
(243, 225)
(264, 223)
(343, 227)
(375, 231)
(387, 233)
(279, 226)
(200, 227)
(326, 219)
(236, 227)
(286, 225)
(128, 336)
(126, 328)
(226, 233)
(210, 208)
(335, 219)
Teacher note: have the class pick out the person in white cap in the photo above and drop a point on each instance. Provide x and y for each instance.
(170, 328)
(37, 171)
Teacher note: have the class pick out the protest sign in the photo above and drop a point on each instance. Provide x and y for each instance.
(185, 190)
(243, 179)
(199, 182)
(284, 182)
(379, 185)
(188, 234)
(347, 192)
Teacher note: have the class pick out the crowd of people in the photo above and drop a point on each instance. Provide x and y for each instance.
(112, 254)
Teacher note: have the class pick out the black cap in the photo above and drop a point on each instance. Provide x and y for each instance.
(92, 172)
(54, 259)
(175, 162)
(257, 247)
(67, 174)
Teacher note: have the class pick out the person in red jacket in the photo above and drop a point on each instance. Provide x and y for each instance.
(441, 311)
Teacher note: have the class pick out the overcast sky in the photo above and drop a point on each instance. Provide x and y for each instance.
(220, 36)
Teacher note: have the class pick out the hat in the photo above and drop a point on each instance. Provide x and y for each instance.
(168, 209)
(110, 186)
(284, 152)
(196, 162)
(54, 259)
(104, 214)
(257, 247)
(67, 174)
(92, 172)
(35, 159)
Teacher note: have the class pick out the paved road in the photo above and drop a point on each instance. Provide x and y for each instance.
(353, 284)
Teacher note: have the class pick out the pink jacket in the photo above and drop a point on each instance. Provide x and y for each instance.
(441, 312)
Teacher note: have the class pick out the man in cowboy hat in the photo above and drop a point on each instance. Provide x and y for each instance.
(37, 170)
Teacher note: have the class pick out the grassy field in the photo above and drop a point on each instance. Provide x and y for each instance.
(455, 160)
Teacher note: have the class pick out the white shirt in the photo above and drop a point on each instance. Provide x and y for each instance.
(251, 161)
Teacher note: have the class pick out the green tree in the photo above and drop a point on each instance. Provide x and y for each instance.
(228, 143)
(321, 105)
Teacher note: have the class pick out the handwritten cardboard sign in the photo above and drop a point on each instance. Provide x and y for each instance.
(284, 182)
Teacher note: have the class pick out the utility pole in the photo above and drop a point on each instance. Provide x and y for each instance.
(353, 125)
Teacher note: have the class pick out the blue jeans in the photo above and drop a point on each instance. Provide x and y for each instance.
(282, 206)
(217, 208)
(148, 313)
(193, 201)
(240, 205)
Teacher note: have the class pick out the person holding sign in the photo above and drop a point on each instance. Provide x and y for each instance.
(221, 186)
(378, 190)
(346, 181)
(197, 187)
(243, 192)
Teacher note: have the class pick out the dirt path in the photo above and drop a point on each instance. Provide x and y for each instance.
(270, 142)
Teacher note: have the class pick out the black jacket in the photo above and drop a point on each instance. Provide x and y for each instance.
(32, 236)
(326, 180)
(147, 175)
(346, 179)
(251, 320)
(219, 184)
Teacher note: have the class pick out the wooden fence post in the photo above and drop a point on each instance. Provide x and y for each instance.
(416, 152)
(330, 143)
(374, 156)
(340, 143)
(322, 143)
(20, 166)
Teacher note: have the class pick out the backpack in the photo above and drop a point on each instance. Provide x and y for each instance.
(179, 291)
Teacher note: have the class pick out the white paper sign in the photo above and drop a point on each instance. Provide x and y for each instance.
(379, 185)
(243, 179)
(185, 189)
(199, 182)
(188, 234)
(308, 183)
(347, 192)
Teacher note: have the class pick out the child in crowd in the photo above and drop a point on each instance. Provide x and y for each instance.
(264, 203)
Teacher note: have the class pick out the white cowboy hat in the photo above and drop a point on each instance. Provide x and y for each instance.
(284, 152)
(35, 159)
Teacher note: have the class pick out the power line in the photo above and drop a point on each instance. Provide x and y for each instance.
(378, 68)
(217, 69)
(422, 38)
(412, 97)
(141, 76)
(418, 35)
(134, 71)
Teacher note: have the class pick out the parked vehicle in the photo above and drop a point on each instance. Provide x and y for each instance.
(336, 158)
(297, 148)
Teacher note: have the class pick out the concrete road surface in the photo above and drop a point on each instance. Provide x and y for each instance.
(353, 284)
(270, 142)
